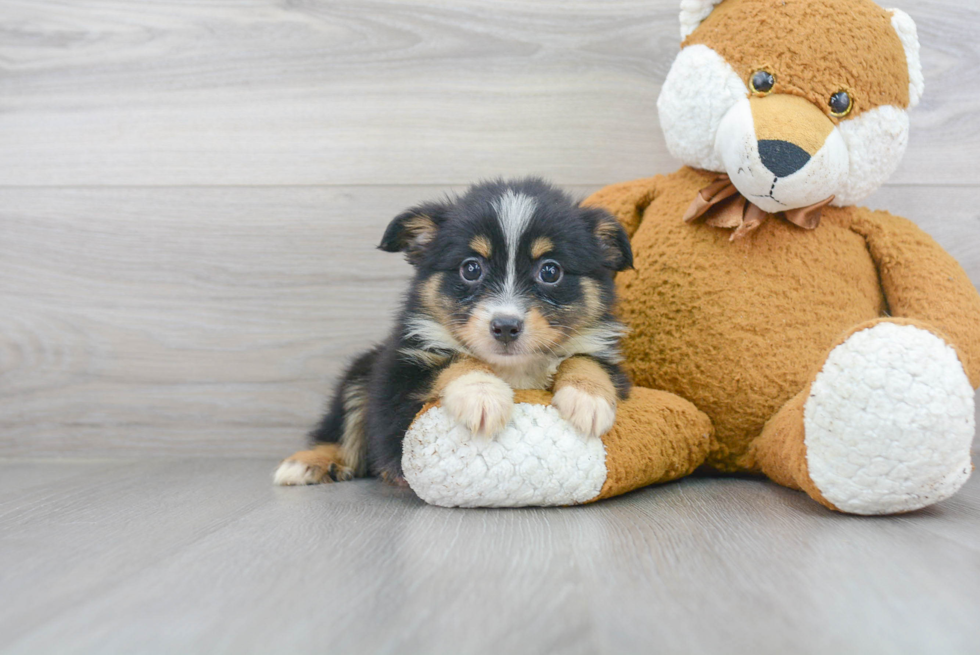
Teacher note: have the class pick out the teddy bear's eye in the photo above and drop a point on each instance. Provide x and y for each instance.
(841, 104)
(762, 82)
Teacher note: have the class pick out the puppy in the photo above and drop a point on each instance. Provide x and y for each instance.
(513, 288)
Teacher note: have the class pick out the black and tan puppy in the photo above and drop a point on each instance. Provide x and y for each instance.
(513, 289)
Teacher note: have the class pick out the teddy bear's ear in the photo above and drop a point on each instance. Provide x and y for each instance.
(693, 12)
(905, 27)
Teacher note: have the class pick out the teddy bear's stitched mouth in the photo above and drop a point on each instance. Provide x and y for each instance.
(770, 195)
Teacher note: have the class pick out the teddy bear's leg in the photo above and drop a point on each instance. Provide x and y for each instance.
(885, 426)
(657, 437)
(541, 459)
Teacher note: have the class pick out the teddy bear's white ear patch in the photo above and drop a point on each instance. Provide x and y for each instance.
(695, 11)
(905, 27)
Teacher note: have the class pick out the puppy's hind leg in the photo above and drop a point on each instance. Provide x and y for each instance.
(322, 463)
(339, 451)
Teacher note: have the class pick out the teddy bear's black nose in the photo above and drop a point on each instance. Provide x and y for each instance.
(782, 157)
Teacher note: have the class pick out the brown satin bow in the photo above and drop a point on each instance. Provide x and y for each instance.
(734, 211)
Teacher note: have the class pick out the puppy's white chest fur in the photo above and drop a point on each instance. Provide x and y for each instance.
(535, 372)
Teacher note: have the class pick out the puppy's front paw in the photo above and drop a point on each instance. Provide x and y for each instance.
(480, 401)
(591, 415)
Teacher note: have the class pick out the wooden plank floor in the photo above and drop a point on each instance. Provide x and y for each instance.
(206, 556)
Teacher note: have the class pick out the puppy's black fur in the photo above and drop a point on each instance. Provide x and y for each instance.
(520, 250)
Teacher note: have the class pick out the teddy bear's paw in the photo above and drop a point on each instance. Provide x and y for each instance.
(480, 401)
(889, 422)
(589, 414)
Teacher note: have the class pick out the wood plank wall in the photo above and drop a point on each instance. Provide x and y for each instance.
(190, 191)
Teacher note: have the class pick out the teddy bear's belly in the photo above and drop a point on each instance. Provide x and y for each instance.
(739, 328)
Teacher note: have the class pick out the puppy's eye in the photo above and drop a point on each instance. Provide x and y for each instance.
(471, 270)
(841, 104)
(762, 82)
(549, 272)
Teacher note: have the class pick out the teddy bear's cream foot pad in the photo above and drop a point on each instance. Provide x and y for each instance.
(889, 422)
(538, 459)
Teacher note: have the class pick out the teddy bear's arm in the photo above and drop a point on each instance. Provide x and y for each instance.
(922, 281)
(627, 200)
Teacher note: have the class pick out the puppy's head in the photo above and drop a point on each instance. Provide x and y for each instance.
(511, 270)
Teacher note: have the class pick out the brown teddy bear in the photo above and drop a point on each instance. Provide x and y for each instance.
(786, 331)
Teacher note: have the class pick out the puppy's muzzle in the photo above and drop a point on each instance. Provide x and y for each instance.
(506, 329)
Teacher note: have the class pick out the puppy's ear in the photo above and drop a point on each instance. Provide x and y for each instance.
(614, 243)
(412, 231)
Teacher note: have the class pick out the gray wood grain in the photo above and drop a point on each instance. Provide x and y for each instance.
(196, 556)
(95, 523)
(326, 92)
(211, 321)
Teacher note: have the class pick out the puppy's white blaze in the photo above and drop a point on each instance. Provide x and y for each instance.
(479, 401)
(590, 415)
(514, 212)
(503, 306)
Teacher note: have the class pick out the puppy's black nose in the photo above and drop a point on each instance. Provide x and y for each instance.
(782, 157)
(506, 328)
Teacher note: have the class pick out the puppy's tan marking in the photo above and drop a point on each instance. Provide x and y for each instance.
(481, 246)
(540, 334)
(433, 301)
(593, 300)
(607, 230)
(585, 396)
(353, 441)
(475, 333)
(541, 247)
(324, 463)
(421, 228)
